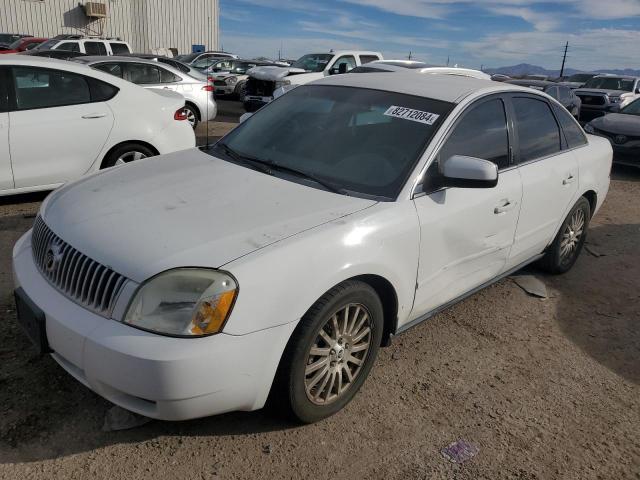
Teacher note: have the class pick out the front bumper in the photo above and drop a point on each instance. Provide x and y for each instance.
(157, 376)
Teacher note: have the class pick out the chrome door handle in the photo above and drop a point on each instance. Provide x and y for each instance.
(505, 207)
(94, 115)
(568, 180)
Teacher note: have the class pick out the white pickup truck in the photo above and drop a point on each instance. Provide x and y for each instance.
(264, 80)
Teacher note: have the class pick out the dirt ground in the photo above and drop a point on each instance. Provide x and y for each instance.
(546, 388)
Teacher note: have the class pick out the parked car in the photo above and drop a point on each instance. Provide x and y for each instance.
(204, 59)
(57, 54)
(604, 92)
(561, 93)
(576, 80)
(230, 76)
(7, 39)
(498, 77)
(345, 212)
(22, 44)
(198, 93)
(68, 120)
(622, 129)
(263, 81)
(86, 45)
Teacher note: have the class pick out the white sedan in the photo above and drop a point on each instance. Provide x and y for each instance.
(59, 121)
(336, 217)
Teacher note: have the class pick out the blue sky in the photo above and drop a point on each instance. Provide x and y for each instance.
(601, 33)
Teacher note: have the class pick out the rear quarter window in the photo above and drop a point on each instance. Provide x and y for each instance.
(573, 133)
(367, 58)
(119, 48)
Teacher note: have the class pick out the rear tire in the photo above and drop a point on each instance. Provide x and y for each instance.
(330, 353)
(125, 153)
(566, 247)
(192, 115)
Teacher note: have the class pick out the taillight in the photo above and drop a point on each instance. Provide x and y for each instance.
(209, 88)
(210, 79)
(180, 114)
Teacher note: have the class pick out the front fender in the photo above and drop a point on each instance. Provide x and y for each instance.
(279, 283)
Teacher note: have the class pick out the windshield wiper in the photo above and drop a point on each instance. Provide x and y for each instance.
(267, 166)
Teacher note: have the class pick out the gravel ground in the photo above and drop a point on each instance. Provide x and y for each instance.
(546, 388)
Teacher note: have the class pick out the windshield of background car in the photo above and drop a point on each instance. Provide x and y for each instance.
(49, 44)
(8, 38)
(363, 141)
(632, 109)
(610, 83)
(190, 57)
(579, 77)
(313, 62)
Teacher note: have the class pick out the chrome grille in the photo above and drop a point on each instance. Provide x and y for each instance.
(85, 281)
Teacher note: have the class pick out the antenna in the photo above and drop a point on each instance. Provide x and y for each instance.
(564, 58)
(447, 60)
(409, 54)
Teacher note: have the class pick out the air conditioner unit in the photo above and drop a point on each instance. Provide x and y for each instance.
(95, 10)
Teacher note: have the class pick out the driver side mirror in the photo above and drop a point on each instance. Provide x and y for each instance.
(469, 172)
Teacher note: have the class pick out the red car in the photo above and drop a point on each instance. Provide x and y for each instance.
(23, 44)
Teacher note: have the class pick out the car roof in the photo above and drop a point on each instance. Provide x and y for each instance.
(526, 82)
(448, 88)
(115, 58)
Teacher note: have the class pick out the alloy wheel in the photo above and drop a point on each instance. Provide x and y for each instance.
(129, 157)
(572, 235)
(337, 354)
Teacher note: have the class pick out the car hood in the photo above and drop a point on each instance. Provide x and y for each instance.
(618, 123)
(599, 91)
(185, 209)
(272, 73)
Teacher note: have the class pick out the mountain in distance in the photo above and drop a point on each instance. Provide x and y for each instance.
(528, 69)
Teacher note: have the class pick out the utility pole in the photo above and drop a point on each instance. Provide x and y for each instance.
(409, 54)
(564, 58)
(447, 60)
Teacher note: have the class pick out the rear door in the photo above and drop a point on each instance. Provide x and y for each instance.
(549, 174)
(6, 175)
(57, 131)
(95, 48)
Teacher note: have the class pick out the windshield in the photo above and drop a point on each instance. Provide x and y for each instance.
(580, 77)
(365, 142)
(610, 83)
(16, 44)
(632, 109)
(313, 62)
(8, 37)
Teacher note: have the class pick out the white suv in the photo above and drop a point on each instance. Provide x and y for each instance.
(88, 46)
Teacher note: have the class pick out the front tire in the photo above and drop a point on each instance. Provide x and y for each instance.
(331, 352)
(566, 247)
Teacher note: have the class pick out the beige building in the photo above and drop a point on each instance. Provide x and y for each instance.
(145, 24)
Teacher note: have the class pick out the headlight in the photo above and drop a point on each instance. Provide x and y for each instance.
(282, 83)
(614, 99)
(589, 129)
(184, 302)
(231, 80)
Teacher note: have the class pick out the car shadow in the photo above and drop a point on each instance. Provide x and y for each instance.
(599, 305)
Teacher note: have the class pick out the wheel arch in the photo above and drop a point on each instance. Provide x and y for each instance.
(389, 298)
(592, 197)
(127, 142)
(195, 108)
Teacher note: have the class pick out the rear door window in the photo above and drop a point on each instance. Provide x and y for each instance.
(44, 88)
(573, 132)
(111, 68)
(119, 48)
(538, 132)
(142, 73)
(167, 77)
(95, 48)
(348, 60)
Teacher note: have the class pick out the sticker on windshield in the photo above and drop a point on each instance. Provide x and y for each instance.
(411, 114)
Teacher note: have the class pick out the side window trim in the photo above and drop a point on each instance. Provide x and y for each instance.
(6, 87)
(516, 145)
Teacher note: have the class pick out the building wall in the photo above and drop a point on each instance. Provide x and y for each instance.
(145, 24)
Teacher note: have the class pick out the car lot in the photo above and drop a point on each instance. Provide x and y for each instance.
(546, 388)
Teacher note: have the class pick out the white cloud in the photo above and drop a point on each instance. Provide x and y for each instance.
(540, 21)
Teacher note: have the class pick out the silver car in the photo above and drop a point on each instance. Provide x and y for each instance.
(200, 103)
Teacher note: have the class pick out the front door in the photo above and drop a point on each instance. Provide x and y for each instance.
(466, 234)
(56, 131)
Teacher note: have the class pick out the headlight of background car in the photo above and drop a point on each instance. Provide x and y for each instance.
(184, 301)
(231, 80)
(614, 99)
(589, 129)
(282, 83)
